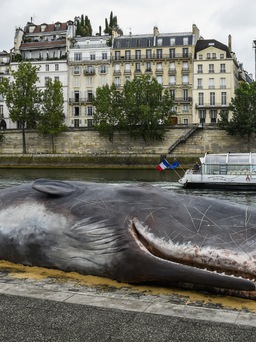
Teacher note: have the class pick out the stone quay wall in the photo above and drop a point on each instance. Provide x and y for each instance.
(90, 144)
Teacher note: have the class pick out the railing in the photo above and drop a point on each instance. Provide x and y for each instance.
(184, 137)
(152, 57)
(81, 100)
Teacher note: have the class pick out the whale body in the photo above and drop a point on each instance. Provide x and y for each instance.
(133, 233)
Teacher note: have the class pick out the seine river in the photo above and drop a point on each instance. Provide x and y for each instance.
(165, 179)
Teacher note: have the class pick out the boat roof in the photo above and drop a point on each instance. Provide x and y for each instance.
(229, 158)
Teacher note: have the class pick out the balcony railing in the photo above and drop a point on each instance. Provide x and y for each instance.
(152, 57)
(80, 100)
(212, 106)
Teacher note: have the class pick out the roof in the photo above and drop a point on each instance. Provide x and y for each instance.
(203, 44)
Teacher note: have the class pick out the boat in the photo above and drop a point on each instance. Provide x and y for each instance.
(224, 171)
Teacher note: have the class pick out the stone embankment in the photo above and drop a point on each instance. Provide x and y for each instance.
(85, 148)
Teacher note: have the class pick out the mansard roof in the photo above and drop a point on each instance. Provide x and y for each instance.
(203, 44)
(148, 40)
(58, 26)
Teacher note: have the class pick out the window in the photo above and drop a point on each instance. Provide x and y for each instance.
(200, 68)
(138, 54)
(76, 111)
(117, 68)
(159, 53)
(76, 81)
(214, 55)
(1, 110)
(89, 81)
(117, 81)
(90, 111)
(199, 83)
(172, 53)
(137, 67)
(211, 68)
(77, 56)
(200, 56)
(159, 66)
(128, 43)
(172, 66)
(92, 57)
(185, 52)
(149, 43)
(213, 115)
(103, 69)
(172, 94)
(148, 53)
(223, 68)
(89, 122)
(185, 108)
(127, 67)
(76, 70)
(223, 83)
(185, 66)
(185, 94)
(172, 80)
(148, 66)
(89, 95)
(77, 95)
(223, 98)
(212, 99)
(185, 41)
(185, 79)
(117, 55)
(222, 56)
(200, 99)
(138, 42)
(56, 78)
(47, 67)
(211, 83)
(127, 54)
(104, 55)
(56, 67)
(159, 41)
(185, 121)
(208, 56)
(202, 115)
(172, 41)
(46, 80)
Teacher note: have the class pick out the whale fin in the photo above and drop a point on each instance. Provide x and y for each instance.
(53, 187)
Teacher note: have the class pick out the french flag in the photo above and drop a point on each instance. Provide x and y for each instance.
(163, 165)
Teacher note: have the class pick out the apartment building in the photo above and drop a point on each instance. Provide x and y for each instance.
(167, 57)
(201, 74)
(89, 67)
(4, 72)
(216, 76)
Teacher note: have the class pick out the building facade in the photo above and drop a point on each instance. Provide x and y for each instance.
(89, 67)
(216, 76)
(201, 74)
(167, 57)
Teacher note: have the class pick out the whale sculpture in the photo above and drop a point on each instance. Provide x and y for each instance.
(130, 233)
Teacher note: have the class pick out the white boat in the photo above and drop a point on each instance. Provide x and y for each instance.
(226, 171)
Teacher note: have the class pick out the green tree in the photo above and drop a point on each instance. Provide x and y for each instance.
(147, 107)
(108, 114)
(112, 24)
(22, 97)
(142, 108)
(51, 122)
(242, 121)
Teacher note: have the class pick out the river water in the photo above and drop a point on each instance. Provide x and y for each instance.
(166, 179)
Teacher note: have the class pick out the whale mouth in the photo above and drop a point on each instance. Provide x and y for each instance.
(207, 259)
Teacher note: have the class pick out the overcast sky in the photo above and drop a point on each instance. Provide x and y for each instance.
(216, 19)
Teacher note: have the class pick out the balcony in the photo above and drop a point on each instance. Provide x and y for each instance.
(183, 100)
(152, 57)
(80, 101)
(211, 106)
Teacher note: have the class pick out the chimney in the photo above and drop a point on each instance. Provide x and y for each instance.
(155, 31)
(230, 42)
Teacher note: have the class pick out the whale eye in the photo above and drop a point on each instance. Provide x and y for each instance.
(53, 187)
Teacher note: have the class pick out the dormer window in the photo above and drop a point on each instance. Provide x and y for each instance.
(57, 25)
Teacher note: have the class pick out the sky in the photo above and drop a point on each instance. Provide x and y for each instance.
(216, 19)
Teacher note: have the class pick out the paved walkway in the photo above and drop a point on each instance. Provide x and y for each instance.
(36, 306)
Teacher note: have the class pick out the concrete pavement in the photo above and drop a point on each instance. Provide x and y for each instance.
(36, 305)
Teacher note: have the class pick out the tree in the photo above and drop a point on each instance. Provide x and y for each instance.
(147, 107)
(142, 108)
(108, 115)
(22, 97)
(51, 122)
(242, 122)
(112, 25)
(84, 27)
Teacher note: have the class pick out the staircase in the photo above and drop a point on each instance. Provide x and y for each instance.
(184, 137)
